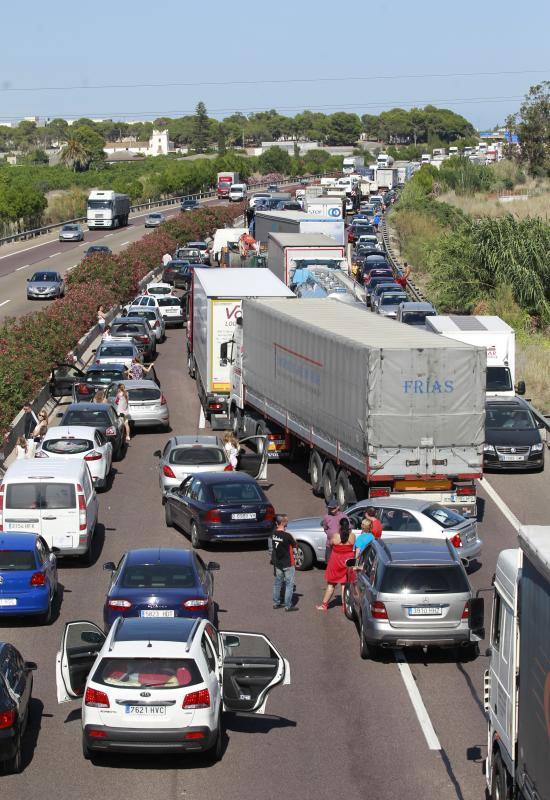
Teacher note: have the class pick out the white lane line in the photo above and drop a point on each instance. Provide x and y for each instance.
(4, 303)
(24, 250)
(417, 702)
(53, 255)
(20, 268)
(109, 234)
(83, 244)
(70, 268)
(499, 502)
(202, 420)
(123, 243)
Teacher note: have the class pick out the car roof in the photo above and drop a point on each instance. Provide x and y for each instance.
(518, 402)
(121, 320)
(22, 540)
(413, 305)
(198, 244)
(159, 555)
(182, 441)
(225, 477)
(176, 629)
(68, 431)
(141, 383)
(419, 551)
(54, 468)
(88, 406)
(412, 503)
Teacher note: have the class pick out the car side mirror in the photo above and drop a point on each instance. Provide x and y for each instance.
(476, 615)
(31, 665)
(59, 414)
(54, 549)
(232, 641)
(157, 454)
(520, 388)
(94, 351)
(212, 566)
(110, 566)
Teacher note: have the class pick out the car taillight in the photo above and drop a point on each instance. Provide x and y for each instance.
(162, 400)
(97, 734)
(168, 471)
(93, 455)
(195, 604)
(382, 492)
(142, 339)
(81, 388)
(38, 579)
(8, 718)
(466, 490)
(119, 604)
(1, 508)
(269, 514)
(228, 468)
(195, 735)
(96, 699)
(466, 612)
(200, 699)
(455, 540)
(214, 515)
(378, 610)
(215, 406)
(110, 431)
(82, 516)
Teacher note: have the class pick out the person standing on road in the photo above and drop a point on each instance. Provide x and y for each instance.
(331, 524)
(336, 573)
(403, 276)
(99, 397)
(232, 448)
(122, 404)
(22, 449)
(365, 537)
(282, 559)
(137, 370)
(166, 259)
(376, 525)
(101, 321)
(41, 427)
(376, 220)
(30, 421)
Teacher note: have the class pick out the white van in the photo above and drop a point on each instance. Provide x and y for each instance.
(54, 498)
(237, 192)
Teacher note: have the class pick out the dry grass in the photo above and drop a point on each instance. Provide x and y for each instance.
(414, 234)
(64, 205)
(488, 205)
(533, 366)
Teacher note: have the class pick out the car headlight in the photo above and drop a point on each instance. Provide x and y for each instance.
(537, 448)
(488, 448)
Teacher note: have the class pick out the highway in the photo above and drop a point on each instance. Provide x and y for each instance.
(345, 727)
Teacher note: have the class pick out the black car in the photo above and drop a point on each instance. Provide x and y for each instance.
(215, 506)
(15, 698)
(138, 331)
(94, 249)
(512, 435)
(102, 416)
(189, 205)
(98, 376)
(172, 268)
(367, 271)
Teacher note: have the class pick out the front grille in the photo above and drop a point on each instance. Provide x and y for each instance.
(518, 451)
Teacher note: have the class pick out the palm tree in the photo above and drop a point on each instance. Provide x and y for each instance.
(75, 154)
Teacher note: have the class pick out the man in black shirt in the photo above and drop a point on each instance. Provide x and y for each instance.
(30, 420)
(282, 558)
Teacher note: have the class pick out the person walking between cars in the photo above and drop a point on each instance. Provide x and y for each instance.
(232, 448)
(337, 573)
(166, 259)
(30, 420)
(331, 524)
(121, 401)
(282, 559)
(137, 370)
(41, 427)
(376, 220)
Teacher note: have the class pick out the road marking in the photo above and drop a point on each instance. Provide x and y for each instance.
(109, 234)
(24, 250)
(123, 243)
(53, 255)
(4, 303)
(202, 420)
(70, 268)
(83, 244)
(498, 501)
(20, 268)
(417, 702)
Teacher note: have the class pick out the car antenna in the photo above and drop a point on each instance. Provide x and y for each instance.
(149, 644)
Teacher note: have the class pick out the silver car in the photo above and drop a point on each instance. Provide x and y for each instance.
(153, 316)
(45, 286)
(413, 592)
(399, 516)
(71, 232)
(389, 302)
(154, 220)
(116, 351)
(147, 404)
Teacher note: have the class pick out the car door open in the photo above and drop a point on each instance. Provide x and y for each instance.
(255, 463)
(251, 668)
(80, 644)
(63, 379)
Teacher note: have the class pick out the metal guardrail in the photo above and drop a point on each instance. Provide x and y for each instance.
(415, 293)
(169, 201)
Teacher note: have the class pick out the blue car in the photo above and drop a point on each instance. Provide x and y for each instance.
(160, 582)
(28, 576)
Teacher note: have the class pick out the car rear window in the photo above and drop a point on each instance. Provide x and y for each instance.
(85, 416)
(197, 455)
(109, 350)
(158, 576)
(444, 516)
(40, 495)
(142, 313)
(143, 393)
(446, 579)
(235, 492)
(148, 673)
(159, 290)
(127, 327)
(169, 301)
(17, 560)
(104, 376)
(67, 447)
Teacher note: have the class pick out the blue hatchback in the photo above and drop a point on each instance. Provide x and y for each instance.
(160, 582)
(28, 576)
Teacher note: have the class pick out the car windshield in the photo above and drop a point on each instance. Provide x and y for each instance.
(197, 455)
(416, 317)
(158, 576)
(508, 418)
(169, 301)
(40, 495)
(499, 379)
(126, 351)
(424, 580)
(392, 299)
(235, 492)
(67, 447)
(143, 393)
(99, 204)
(104, 375)
(50, 277)
(70, 227)
(148, 673)
(17, 560)
(155, 216)
(87, 417)
(159, 289)
(443, 516)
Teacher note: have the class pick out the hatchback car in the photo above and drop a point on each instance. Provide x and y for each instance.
(415, 313)
(96, 377)
(203, 248)
(102, 416)
(160, 582)
(399, 516)
(15, 700)
(147, 405)
(413, 592)
(189, 205)
(513, 437)
(388, 302)
(188, 253)
(81, 442)
(154, 219)
(112, 351)
(173, 268)
(71, 232)
(213, 506)
(158, 289)
(45, 286)
(172, 311)
(28, 577)
(160, 685)
(153, 317)
(138, 331)
(97, 249)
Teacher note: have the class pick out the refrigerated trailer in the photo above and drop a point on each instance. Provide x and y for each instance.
(379, 408)
(284, 250)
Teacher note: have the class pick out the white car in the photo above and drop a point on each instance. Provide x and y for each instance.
(158, 289)
(70, 443)
(171, 309)
(368, 239)
(159, 685)
(116, 351)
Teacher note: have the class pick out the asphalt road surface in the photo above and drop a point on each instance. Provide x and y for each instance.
(344, 728)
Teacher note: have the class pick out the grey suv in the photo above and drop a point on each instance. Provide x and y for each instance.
(413, 592)
(138, 331)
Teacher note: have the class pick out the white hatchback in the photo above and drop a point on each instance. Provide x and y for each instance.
(158, 289)
(159, 685)
(65, 442)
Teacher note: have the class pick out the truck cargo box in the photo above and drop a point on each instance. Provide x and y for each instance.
(285, 249)
(267, 222)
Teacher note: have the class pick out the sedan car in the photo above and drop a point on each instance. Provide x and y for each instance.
(71, 232)
(388, 303)
(154, 219)
(15, 699)
(102, 416)
(160, 582)
(153, 317)
(113, 351)
(512, 436)
(28, 577)
(80, 442)
(172, 268)
(97, 249)
(137, 331)
(96, 377)
(45, 286)
(212, 506)
(189, 205)
(147, 405)
(398, 516)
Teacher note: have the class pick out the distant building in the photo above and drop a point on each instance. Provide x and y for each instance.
(158, 145)
(289, 146)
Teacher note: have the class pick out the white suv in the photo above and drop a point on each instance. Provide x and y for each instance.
(160, 685)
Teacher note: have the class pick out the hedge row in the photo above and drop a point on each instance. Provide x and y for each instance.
(31, 344)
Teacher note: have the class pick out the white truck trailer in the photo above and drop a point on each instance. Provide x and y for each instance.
(517, 683)
(287, 251)
(379, 408)
(351, 163)
(107, 209)
(267, 222)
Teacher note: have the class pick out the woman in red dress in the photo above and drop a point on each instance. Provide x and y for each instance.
(337, 572)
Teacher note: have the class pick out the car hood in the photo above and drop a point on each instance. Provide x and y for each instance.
(511, 438)
(43, 284)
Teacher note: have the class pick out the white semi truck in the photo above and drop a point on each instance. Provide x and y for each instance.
(107, 209)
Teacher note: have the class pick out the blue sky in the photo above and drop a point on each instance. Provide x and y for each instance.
(70, 44)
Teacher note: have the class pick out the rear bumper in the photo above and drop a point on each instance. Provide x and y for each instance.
(384, 635)
(35, 602)
(150, 419)
(174, 320)
(147, 740)
(229, 533)
(8, 743)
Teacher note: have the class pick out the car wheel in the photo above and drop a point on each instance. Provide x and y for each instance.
(13, 765)
(303, 556)
(195, 538)
(499, 780)
(86, 752)
(46, 617)
(316, 472)
(329, 480)
(349, 610)
(364, 648)
(168, 516)
(214, 753)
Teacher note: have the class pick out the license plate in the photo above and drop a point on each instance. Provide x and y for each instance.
(8, 601)
(425, 611)
(464, 500)
(146, 711)
(243, 516)
(511, 458)
(156, 613)
(21, 526)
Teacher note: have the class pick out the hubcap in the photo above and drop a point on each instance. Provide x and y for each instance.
(299, 557)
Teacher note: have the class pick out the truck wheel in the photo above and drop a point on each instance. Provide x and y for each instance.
(316, 472)
(191, 366)
(303, 556)
(345, 493)
(499, 780)
(329, 480)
